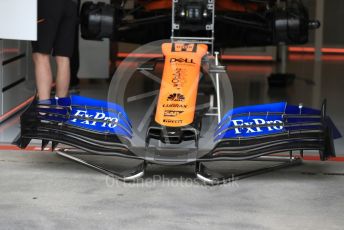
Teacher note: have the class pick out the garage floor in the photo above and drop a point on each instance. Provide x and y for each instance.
(40, 190)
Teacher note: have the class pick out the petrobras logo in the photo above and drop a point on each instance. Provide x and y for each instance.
(257, 125)
(96, 119)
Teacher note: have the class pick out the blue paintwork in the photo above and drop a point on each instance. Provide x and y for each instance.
(107, 117)
(270, 116)
(230, 125)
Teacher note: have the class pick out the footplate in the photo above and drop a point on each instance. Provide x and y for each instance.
(211, 177)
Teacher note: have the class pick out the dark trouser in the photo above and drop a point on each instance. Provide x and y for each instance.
(75, 59)
(56, 23)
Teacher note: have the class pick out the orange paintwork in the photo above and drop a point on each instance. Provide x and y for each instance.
(179, 85)
(222, 5)
(231, 5)
(156, 4)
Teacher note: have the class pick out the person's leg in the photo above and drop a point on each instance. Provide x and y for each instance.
(63, 76)
(49, 16)
(64, 47)
(43, 74)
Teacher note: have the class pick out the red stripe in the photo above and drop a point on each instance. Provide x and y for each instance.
(317, 158)
(310, 57)
(19, 107)
(15, 148)
(139, 55)
(254, 69)
(8, 124)
(16, 109)
(312, 50)
(247, 57)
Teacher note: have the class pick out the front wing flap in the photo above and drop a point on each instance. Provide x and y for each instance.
(92, 125)
(253, 131)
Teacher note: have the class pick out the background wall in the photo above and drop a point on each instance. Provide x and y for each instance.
(333, 23)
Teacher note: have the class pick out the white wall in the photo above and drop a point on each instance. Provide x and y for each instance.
(18, 19)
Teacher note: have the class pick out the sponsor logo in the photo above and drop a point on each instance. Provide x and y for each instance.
(176, 97)
(176, 106)
(177, 78)
(98, 118)
(172, 113)
(182, 60)
(173, 121)
(275, 125)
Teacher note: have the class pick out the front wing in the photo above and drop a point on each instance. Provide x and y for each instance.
(103, 128)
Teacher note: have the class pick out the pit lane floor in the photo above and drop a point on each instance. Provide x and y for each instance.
(40, 190)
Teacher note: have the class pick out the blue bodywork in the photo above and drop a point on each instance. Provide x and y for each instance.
(86, 113)
(242, 122)
(267, 119)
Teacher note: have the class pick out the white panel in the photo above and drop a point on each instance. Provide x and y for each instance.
(18, 19)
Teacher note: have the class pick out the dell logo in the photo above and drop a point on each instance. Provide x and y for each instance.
(182, 60)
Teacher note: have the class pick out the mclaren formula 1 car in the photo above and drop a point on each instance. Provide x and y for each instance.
(179, 131)
(239, 23)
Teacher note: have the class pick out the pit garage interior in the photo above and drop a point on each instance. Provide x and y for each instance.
(42, 190)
